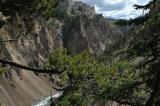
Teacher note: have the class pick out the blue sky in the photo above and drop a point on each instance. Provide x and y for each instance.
(119, 9)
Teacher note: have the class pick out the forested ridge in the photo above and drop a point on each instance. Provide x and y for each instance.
(128, 74)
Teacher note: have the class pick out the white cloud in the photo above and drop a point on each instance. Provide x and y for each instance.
(121, 9)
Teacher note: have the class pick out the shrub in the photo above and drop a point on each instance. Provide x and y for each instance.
(46, 6)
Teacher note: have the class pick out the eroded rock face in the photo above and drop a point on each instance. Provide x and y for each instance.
(95, 35)
(75, 27)
(84, 29)
(21, 87)
(74, 8)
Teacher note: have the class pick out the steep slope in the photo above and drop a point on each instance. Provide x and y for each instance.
(75, 26)
(20, 87)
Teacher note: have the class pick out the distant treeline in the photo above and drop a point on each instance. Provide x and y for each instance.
(136, 21)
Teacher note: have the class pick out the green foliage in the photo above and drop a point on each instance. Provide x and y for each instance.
(84, 80)
(147, 46)
(2, 70)
(46, 6)
(8, 7)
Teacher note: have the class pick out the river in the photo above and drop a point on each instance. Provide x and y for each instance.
(46, 100)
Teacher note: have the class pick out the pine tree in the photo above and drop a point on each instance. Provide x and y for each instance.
(150, 42)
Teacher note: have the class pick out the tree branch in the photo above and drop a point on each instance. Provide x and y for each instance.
(38, 70)
(10, 40)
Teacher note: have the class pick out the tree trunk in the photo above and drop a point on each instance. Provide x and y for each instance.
(156, 86)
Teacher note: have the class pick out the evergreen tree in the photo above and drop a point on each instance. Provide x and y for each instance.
(86, 81)
(148, 46)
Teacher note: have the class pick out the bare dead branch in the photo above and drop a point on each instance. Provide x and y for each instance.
(38, 70)
(10, 40)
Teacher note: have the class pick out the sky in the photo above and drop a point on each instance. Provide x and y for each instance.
(118, 9)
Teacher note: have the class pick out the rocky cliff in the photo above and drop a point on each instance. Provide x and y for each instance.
(75, 26)
(84, 29)
(20, 87)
